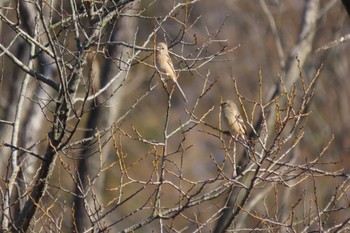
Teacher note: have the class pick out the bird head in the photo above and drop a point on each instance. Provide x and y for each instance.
(162, 47)
(228, 104)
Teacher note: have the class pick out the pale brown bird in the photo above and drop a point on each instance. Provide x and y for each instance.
(165, 66)
(233, 119)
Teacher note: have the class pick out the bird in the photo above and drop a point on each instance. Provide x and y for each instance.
(165, 66)
(233, 119)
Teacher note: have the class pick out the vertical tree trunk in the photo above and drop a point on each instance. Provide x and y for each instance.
(100, 118)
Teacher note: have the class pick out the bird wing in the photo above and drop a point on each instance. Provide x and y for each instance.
(240, 120)
(170, 63)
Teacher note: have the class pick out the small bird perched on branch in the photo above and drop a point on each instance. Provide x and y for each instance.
(233, 119)
(165, 66)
